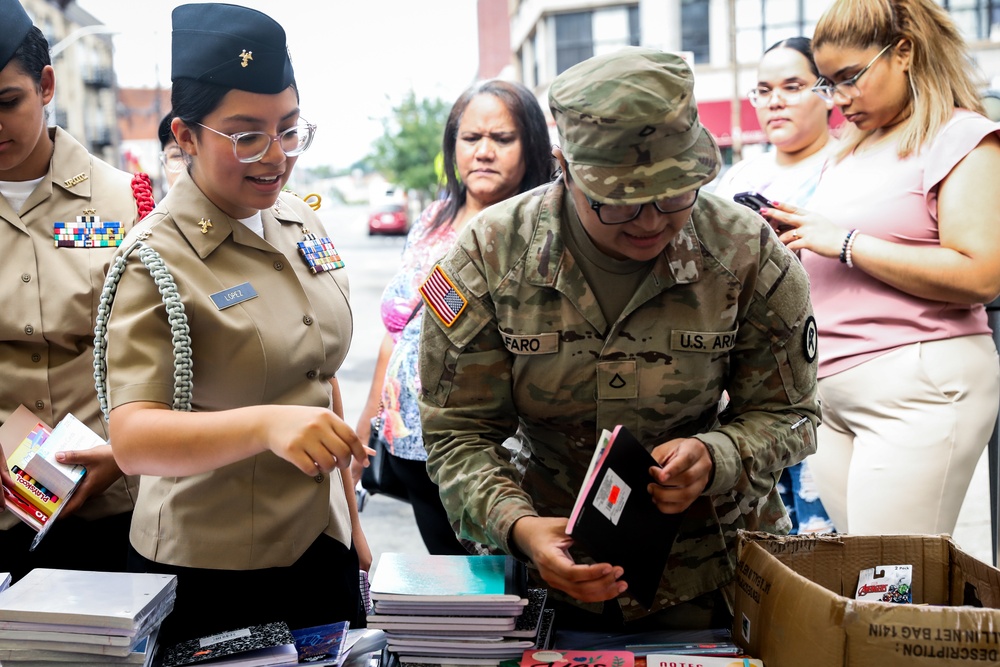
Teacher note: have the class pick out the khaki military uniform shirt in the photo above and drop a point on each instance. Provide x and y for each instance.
(50, 297)
(281, 346)
(724, 309)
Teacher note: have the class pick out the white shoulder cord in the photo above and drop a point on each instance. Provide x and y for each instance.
(179, 330)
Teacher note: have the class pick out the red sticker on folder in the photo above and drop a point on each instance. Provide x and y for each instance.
(612, 495)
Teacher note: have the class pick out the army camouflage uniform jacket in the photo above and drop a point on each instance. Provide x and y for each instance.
(523, 348)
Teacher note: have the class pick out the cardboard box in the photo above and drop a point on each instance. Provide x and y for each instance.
(794, 603)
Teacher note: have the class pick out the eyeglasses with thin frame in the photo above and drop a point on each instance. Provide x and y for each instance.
(849, 88)
(619, 214)
(791, 93)
(173, 161)
(252, 146)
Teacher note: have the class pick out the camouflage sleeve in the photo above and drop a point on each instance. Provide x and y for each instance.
(771, 418)
(466, 405)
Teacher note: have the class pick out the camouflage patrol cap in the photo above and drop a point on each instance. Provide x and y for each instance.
(231, 46)
(16, 24)
(628, 126)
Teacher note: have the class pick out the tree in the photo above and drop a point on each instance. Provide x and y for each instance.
(410, 142)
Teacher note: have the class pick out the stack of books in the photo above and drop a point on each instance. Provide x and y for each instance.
(459, 610)
(91, 619)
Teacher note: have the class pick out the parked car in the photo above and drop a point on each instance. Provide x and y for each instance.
(388, 219)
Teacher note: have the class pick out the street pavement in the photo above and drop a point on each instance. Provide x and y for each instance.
(388, 523)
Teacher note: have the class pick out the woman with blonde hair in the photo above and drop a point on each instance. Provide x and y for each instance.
(902, 245)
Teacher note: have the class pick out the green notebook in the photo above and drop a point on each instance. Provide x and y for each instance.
(433, 578)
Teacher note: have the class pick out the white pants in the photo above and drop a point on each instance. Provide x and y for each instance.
(902, 434)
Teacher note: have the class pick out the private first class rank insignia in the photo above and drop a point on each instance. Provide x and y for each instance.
(88, 231)
(319, 254)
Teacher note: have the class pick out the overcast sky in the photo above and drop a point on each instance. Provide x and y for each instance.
(353, 59)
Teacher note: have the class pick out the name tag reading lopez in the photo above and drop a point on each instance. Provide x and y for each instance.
(234, 295)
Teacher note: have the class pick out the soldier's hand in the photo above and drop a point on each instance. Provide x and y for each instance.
(683, 475)
(545, 542)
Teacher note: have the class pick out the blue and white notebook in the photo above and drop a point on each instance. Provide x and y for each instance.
(322, 644)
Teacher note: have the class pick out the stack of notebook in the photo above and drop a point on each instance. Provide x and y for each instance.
(83, 618)
(460, 610)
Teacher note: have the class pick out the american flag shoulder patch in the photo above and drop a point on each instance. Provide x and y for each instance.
(442, 297)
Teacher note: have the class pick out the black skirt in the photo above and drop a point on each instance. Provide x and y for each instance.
(321, 587)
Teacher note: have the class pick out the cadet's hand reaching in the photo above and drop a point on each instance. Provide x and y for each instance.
(102, 471)
(315, 440)
(545, 542)
(683, 475)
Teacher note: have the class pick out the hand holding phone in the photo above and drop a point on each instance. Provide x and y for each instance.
(753, 200)
(756, 201)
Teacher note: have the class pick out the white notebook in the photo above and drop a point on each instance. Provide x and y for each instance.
(81, 598)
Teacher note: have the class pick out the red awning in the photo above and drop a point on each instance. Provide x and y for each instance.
(716, 116)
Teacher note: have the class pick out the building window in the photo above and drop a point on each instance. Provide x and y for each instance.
(694, 29)
(574, 39)
(634, 32)
(976, 19)
(762, 23)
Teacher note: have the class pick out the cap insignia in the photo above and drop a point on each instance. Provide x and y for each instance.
(245, 58)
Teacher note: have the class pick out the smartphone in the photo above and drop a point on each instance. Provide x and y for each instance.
(753, 200)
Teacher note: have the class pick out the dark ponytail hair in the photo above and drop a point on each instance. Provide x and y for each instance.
(32, 56)
(533, 133)
(192, 100)
(801, 44)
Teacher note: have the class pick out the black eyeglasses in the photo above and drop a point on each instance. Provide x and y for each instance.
(827, 90)
(619, 214)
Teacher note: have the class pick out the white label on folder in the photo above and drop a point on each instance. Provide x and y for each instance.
(611, 496)
(224, 637)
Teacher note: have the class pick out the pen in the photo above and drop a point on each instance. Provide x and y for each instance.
(799, 423)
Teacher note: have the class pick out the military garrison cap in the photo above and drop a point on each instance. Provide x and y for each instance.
(231, 46)
(628, 126)
(16, 24)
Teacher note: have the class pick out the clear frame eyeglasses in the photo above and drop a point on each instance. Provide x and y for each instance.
(791, 93)
(173, 160)
(849, 88)
(619, 214)
(252, 146)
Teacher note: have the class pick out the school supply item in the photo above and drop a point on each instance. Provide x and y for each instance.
(560, 658)
(70, 434)
(455, 609)
(32, 450)
(142, 655)
(886, 583)
(688, 660)
(322, 644)
(614, 519)
(80, 617)
(254, 646)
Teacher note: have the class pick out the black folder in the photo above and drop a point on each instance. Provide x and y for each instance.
(615, 520)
